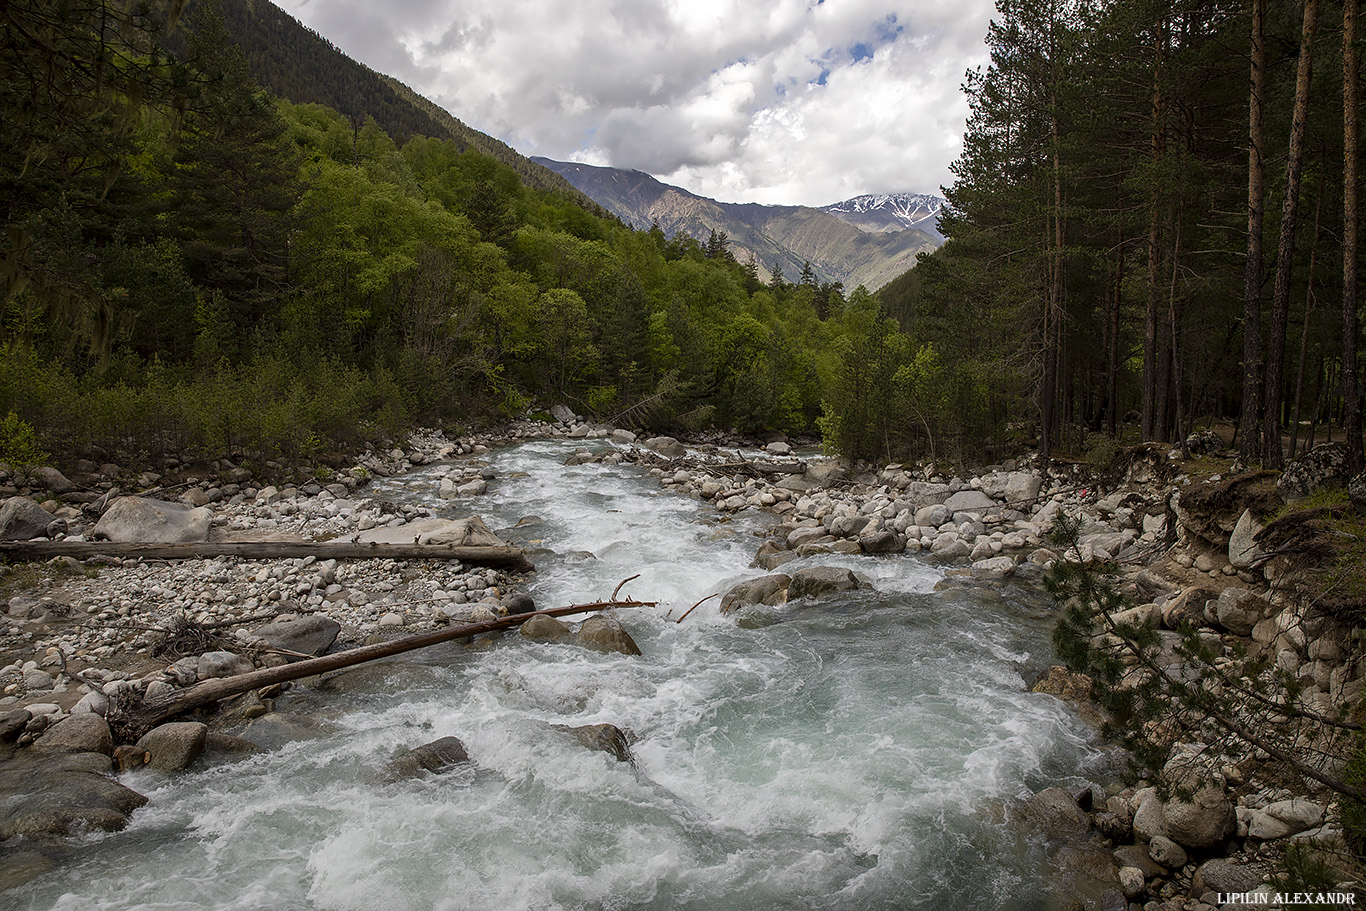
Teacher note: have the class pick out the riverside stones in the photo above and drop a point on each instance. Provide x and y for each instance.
(22, 519)
(1239, 610)
(45, 794)
(139, 520)
(1284, 818)
(83, 733)
(174, 746)
(666, 446)
(309, 634)
(818, 581)
(1055, 812)
(1243, 551)
(222, 664)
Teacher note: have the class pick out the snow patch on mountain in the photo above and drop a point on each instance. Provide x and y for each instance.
(890, 212)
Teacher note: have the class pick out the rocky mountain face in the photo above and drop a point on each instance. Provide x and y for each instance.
(839, 248)
(887, 212)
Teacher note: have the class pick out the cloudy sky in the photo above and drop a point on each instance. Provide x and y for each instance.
(775, 101)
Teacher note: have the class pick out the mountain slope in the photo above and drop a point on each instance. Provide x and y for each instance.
(891, 212)
(299, 65)
(787, 236)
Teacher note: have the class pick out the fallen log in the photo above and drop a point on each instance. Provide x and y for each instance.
(480, 555)
(130, 724)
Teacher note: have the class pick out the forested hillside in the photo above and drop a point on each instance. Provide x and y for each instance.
(193, 266)
(1153, 226)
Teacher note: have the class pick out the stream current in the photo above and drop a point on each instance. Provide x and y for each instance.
(858, 753)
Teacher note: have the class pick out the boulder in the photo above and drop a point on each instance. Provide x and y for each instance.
(932, 516)
(274, 730)
(435, 757)
(1204, 821)
(51, 479)
(518, 603)
(83, 733)
(1324, 466)
(770, 589)
(307, 634)
(1284, 818)
(969, 500)
(1224, 876)
(608, 738)
(1059, 681)
(470, 532)
(885, 541)
(545, 629)
(1239, 610)
(563, 414)
(1055, 812)
(666, 446)
(1139, 857)
(1150, 817)
(606, 634)
(22, 519)
(823, 473)
(819, 581)
(44, 795)
(174, 746)
(1022, 487)
(1167, 852)
(222, 664)
(139, 520)
(1243, 551)
(993, 568)
(1187, 607)
(949, 546)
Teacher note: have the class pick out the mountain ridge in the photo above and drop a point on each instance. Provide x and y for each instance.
(786, 236)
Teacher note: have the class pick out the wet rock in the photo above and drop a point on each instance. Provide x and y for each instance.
(228, 746)
(608, 738)
(174, 746)
(84, 733)
(274, 730)
(770, 589)
(308, 634)
(1140, 858)
(128, 757)
(949, 546)
(138, 520)
(1089, 861)
(12, 723)
(435, 757)
(45, 794)
(21, 866)
(606, 634)
(518, 603)
(1059, 681)
(546, 629)
(223, 664)
(1056, 813)
(1167, 852)
(22, 519)
(820, 581)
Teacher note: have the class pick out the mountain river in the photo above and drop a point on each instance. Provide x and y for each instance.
(858, 753)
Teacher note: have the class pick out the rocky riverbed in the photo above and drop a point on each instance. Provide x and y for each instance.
(80, 636)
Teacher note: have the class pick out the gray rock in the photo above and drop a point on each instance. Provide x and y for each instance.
(1167, 852)
(1243, 551)
(993, 568)
(823, 473)
(1150, 819)
(608, 738)
(932, 516)
(1239, 610)
(1022, 487)
(13, 722)
(470, 532)
(435, 757)
(95, 703)
(545, 629)
(1131, 882)
(1324, 466)
(138, 520)
(1284, 818)
(83, 733)
(22, 519)
(57, 794)
(606, 634)
(949, 546)
(518, 603)
(1187, 607)
(770, 589)
(666, 446)
(563, 414)
(174, 746)
(1139, 857)
(1204, 821)
(223, 664)
(1055, 812)
(819, 581)
(969, 500)
(308, 634)
(51, 479)
(272, 731)
(882, 542)
(1223, 875)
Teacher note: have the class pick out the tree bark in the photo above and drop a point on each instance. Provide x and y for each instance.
(506, 556)
(1350, 388)
(1304, 332)
(1272, 455)
(1248, 436)
(134, 723)
(1150, 427)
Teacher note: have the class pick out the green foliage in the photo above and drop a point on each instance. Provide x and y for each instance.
(19, 445)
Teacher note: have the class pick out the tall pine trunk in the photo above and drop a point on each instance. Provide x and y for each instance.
(1252, 275)
(1350, 391)
(1151, 424)
(1272, 455)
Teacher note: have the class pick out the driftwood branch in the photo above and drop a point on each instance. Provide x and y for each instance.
(696, 606)
(499, 556)
(133, 723)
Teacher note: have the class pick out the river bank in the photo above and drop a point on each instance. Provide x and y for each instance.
(979, 524)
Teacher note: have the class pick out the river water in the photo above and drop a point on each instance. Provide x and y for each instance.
(855, 754)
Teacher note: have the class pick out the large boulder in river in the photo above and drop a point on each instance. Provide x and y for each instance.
(819, 581)
(57, 794)
(606, 634)
(140, 520)
(22, 519)
(607, 738)
(174, 746)
(83, 733)
(770, 589)
(435, 757)
(1056, 812)
(545, 629)
(306, 634)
